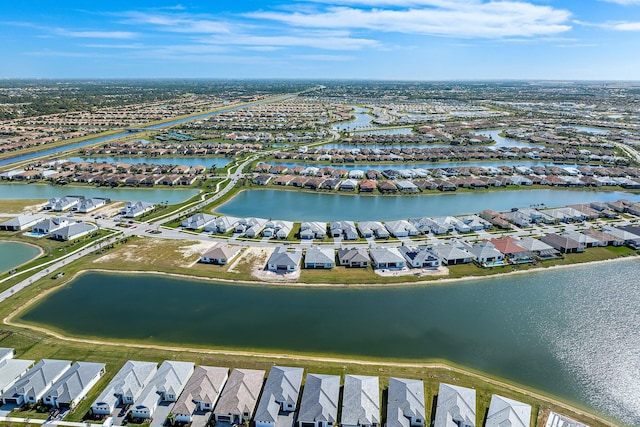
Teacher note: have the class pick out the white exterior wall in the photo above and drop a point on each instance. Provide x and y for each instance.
(264, 424)
(141, 412)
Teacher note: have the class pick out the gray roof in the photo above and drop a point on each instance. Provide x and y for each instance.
(317, 255)
(221, 251)
(455, 403)
(557, 420)
(241, 392)
(281, 256)
(198, 220)
(320, 398)
(52, 224)
(406, 401)
(282, 386)
(171, 378)
(360, 400)
(484, 250)
(205, 385)
(37, 380)
(23, 220)
(75, 229)
(10, 370)
(350, 255)
(508, 412)
(386, 255)
(129, 381)
(534, 245)
(71, 384)
(6, 353)
(449, 252)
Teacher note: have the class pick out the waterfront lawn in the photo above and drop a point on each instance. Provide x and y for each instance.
(20, 205)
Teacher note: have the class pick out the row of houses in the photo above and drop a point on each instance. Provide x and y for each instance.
(58, 228)
(249, 227)
(79, 204)
(243, 395)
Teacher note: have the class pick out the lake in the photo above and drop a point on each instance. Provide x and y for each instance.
(570, 332)
(44, 191)
(13, 254)
(302, 206)
(163, 160)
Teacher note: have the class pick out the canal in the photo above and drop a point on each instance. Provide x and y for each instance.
(571, 332)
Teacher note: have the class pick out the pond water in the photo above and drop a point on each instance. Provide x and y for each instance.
(570, 332)
(44, 191)
(303, 206)
(13, 254)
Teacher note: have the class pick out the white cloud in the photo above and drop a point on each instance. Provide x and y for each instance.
(327, 41)
(613, 25)
(624, 2)
(95, 34)
(467, 18)
(178, 23)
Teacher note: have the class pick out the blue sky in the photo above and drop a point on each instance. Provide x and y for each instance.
(362, 39)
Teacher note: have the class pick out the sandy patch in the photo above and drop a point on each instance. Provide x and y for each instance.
(440, 271)
(32, 208)
(196, 250)
(112, 209)
(130, 253)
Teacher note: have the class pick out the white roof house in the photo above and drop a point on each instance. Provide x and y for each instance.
(201, 392)
(33, 385)
(125, 387)
(197, 221)
(375, 229)
(557, 420)
(405, 404)
(6, 353)
(88, 205)
(50, 225)
(222, 225)
(451, 254)
(503, 411)
(239, 397)
(280, 393)
(401, 228)
(11, 370)
(387, 258)
(456, 406)
(313, 230)
(21, 222)
(134, 209)
(319, 404)
(220, 253)
(320, 257)
(74, 384)
(284, 260)
(166, 385)
(73, 231)
(360, 401)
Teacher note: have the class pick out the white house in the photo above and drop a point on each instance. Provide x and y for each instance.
(279, 395)
(508, 412)
(320, 257)
(32, 386)
(88, 205)
(387, 258)
(401, 228)
(360, 402)
(21, 222)
(50, 225)
(125, 387)
(313, 230)
(74, 384)
(220, 254)
(134, 209)
(283, 260)
(201, 392)
(197, 221)
(319, 404)
(73, 231)
(456, 406)
(405, 403)
(239, 397)
(420, 256)
(165, 386)
(11, 370)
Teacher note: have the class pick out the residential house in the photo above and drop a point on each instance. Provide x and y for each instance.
(407, 186)
(21, 222)
(349, 185)
(50, 225)
(360, 402)
(508, 412)
(320, 257)
(630, 239)
(6, 353)
(220, 254)
(277, 229)
(165, 386)
(401, 228)
(11, 370)
(485, 254)
(125, 387)
(88, 205)
(419, 256)
(262, 179)
(344, 229)
(73, 231)
(74, 385)
(387, 258)
(201, 392)
(456, 406)
(584, 240)
(313, 230)
(405, 403)
(604, 239)
(283, 260)
(353, 257)
(556, 420)
(222, 225)
(538, 247)
(514, 253)
(451, 254)
(32, 386)
(62, 203)
(279, 396)
(239, 396)
(563, 244)
(369, 229)
(197, 221)
(319, 404)
(134, 209)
